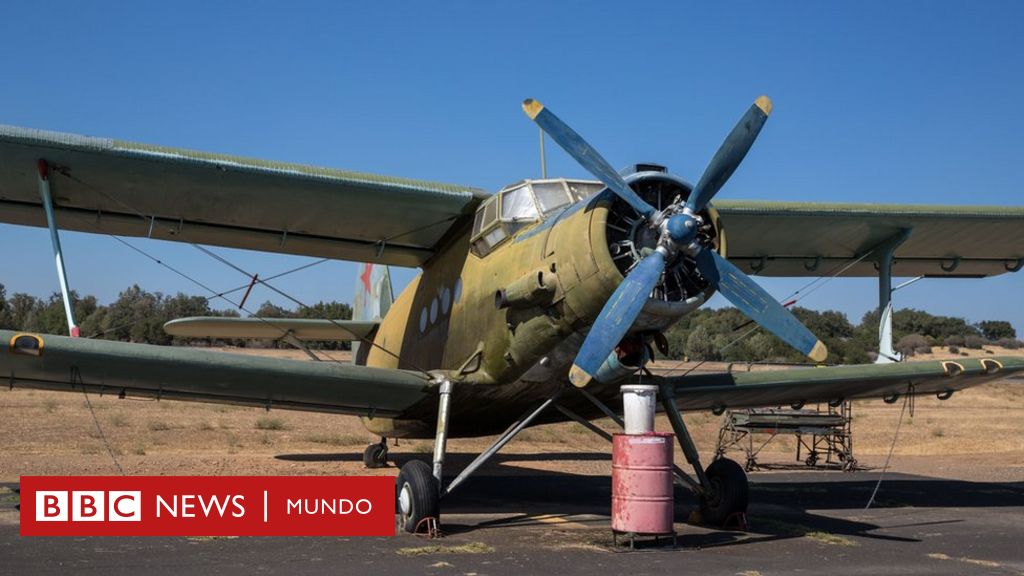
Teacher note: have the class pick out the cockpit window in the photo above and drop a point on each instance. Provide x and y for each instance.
(517, 205)
(582, 189)
(551, 196)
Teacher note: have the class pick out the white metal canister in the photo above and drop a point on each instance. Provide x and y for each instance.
(639, 402)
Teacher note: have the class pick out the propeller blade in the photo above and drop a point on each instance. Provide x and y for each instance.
(730, 154)
(758, 305)
(587, 157)
(616, 317)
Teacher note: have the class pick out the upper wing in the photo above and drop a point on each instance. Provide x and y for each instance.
(62, 363)
(114, 187)
(269, 328)
(832, 383)
(811, 239)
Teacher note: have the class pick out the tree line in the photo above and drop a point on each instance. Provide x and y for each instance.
(726, 334)
(723, 334)
(136, 315)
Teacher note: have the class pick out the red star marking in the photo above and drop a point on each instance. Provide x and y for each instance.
(365, 277)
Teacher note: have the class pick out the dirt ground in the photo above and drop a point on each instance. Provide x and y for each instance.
(974, 436)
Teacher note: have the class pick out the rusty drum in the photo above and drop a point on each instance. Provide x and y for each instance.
(642, 497)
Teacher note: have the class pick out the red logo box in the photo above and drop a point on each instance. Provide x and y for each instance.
(207, 506)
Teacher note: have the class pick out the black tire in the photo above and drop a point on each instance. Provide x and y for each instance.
(728, 492)
(420, 497)
(375, 456)
(812, 459)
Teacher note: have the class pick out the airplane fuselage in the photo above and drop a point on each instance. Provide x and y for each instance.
(505, 325)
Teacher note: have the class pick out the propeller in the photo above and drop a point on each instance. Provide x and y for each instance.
(677, 226)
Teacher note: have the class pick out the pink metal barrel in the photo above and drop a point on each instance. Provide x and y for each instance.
(642, 497)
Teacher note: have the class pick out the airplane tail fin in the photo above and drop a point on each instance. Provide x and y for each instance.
(373, 298)
(373, 295)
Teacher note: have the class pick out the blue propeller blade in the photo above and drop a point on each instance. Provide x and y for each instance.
(616, 317)
(730, 154)
(583, 153)
(758, 305)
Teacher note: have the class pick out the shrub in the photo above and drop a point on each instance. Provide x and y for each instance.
(1010, 343)
(923, 350)
(268, 423)
(954, 350)
(974, 342)
(954, 340)
(910, 343)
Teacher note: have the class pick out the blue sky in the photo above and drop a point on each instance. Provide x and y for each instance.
(914, 102)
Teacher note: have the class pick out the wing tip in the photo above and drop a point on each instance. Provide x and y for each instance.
(532, 108)
(579, 377)
(819, 353)
(765, 104)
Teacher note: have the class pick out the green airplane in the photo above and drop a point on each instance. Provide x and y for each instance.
(534, 305)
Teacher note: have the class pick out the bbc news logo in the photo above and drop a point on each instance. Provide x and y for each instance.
(207, 506)
(88, 506)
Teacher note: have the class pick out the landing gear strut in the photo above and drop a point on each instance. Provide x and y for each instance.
(722, 488)
(419, 488)
(376, 455)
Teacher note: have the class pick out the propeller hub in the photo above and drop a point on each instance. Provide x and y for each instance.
(682, 229)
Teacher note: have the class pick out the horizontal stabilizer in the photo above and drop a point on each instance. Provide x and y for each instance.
(269, 328)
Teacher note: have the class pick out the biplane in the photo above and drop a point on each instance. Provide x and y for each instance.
(534, 304)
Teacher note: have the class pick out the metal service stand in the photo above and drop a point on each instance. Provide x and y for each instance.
(824, 435)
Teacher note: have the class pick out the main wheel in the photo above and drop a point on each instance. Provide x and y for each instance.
(416, 493)
(375, 455)
(728, 492)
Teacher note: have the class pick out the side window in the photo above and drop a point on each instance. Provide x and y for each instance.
(477, 222)
(487, 230)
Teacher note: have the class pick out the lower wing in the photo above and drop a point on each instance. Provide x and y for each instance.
(140, 370)
(837, 383)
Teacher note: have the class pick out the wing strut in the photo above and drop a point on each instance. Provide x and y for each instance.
(886, 252)
(44, 192)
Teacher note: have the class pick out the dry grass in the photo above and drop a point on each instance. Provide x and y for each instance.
(830, 539)
(468, 548)
(270, 423)
(336, 439)
(965, 560)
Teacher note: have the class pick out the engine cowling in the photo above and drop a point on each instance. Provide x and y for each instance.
(682, 288)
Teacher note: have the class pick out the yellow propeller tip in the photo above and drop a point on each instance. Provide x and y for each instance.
(765, 104)
(819, 352)
(532, 107)
(579, 377)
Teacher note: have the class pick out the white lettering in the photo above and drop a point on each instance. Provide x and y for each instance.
(172, 509)
(329, 506)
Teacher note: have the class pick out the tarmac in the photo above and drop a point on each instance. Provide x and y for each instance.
(808, 522)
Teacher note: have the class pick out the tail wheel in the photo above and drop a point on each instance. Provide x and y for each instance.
(375, 455)
(727, 494)
(417, 495)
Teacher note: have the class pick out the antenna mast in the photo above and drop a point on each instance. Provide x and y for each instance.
(543, 160)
